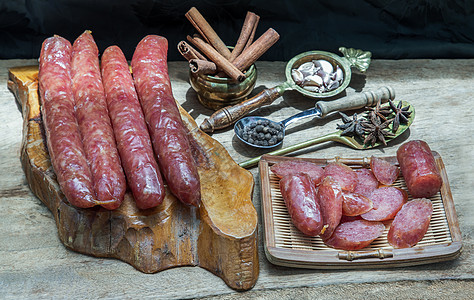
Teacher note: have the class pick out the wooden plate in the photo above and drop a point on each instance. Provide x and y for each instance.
(220, 235)
(287, 246)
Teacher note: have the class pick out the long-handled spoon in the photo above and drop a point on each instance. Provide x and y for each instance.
(321, 109)
(352, 142)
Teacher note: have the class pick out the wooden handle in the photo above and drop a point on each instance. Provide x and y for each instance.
(229, 115)
(359, 100)
(377, 253)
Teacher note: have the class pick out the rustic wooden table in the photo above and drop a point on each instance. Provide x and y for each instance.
(34, 263)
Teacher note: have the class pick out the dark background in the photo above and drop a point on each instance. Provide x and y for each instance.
(390, 29)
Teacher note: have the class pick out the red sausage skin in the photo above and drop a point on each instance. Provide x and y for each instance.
(410, 224)
(330, 199)
(62, 131)
(418, 167)
(133, 141)
(168, 133)
(299, 193)
(94, 122)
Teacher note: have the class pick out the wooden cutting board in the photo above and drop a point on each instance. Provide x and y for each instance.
(220, 235)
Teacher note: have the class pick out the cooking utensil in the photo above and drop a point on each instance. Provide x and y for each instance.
(352, 142)
(321, 109)
(352, 58)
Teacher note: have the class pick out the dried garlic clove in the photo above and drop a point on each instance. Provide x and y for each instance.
(339, 74)
(307, 69)
(297, 76)
(313, 80)
(333, 85)
(312, 88)
(325, 65)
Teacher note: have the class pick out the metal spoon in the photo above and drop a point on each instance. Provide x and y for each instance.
(321, 109)
(335, 137)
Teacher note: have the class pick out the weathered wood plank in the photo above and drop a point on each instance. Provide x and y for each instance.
(34, 263)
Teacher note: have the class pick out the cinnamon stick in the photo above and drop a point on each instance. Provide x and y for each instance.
(188, 52)
(246, 37)
(205, 67)
(254, 51)
(221, 62)
(206, 31)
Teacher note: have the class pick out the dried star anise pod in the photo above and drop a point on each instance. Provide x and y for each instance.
(376, 131)
(351, 127)
(378, 111)
(401, 114)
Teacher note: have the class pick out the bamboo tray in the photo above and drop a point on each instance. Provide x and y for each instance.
(287, 246)
(219, 236)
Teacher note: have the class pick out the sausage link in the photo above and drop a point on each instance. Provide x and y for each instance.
(133, 140)
(168, 133)
(299, 193)
(418, 167)
(94, 123)
(62, 131)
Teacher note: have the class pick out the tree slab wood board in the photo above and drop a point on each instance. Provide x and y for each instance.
(220, 235)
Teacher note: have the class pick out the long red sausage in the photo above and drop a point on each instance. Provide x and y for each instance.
(168, 133)
(419, 169)
(62, 131)
(133, 141)
(94, 123)
(299, 192)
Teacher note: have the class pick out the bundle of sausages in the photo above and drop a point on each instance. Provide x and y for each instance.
(347, 207)
(106, 129)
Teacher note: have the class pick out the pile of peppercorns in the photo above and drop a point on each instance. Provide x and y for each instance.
(263, 133)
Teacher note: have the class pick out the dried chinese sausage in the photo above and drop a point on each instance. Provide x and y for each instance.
(94, 123)
(410, 224)
(387, 201)
(385, 172)
(343, 174)
(299, 194)
(418, 167)
(330, 200)
(355, 204)
(284, 168)
(366, 182)
(355, 235)
(62, 132)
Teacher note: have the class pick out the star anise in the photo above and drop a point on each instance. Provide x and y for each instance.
(401, 114)
(376, 131)
(378, 111)
(351, 127)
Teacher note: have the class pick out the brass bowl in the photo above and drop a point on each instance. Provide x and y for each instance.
(215, 92)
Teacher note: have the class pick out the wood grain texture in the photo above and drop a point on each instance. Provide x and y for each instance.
(35, 264)
(220, 236)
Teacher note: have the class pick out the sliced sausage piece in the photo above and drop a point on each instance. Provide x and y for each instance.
(133, 140)
(94, 122)
(355, 235)
(62, 131)
(284, 168)
(168, 133)
(366, 182)
(385, 172)
(387, 201)
(343, 174)
(410, 224)
(354, 204)
(299, 194)
(418, 167)
(330, 200)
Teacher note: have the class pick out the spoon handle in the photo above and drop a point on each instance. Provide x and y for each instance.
(356, 101)
(325, 138)
(229, 115)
